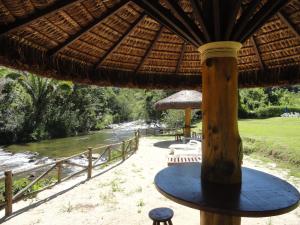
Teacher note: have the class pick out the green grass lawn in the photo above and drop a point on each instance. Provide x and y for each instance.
(282, 136)
(276, 138)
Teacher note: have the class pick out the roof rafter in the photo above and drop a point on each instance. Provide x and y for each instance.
(197, 11)
(118, 43)
(157, 36)
(51, 9)
(257, 52)
(163, 16)
(242, 21)
(109, 12)
(232, 19)
(288, 23)
(186, 20)
(261, 17)
(180, 57)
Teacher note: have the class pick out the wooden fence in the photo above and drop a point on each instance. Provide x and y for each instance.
(108, 153)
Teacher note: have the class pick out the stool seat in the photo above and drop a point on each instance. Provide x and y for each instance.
(161, 214)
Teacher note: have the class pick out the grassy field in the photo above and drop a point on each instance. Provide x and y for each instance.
(273, 138)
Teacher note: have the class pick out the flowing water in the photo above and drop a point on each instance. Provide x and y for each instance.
(23, 156)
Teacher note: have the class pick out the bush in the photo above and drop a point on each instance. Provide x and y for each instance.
(274, 111)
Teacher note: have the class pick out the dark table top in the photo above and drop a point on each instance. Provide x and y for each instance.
(259, 195)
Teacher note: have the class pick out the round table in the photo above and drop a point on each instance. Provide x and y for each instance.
(259, 195)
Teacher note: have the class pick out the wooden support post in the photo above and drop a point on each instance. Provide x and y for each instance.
(109, 154)
(59, 170)
(221, 145)
(207, 218)
(136, 140)
(8, 192)
(187, 128)
(123, 151)
(90, 163)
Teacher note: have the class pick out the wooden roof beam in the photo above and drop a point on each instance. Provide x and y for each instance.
(242, 21)
(257, 52)
(261, 17)
(180, 57)
(186, 21)
(216, 15)
(288, 23)
(118, 43)
(197, 11)
(232, 19)
(164, 17)
(157, 36)
(51, 9)
(109, 12)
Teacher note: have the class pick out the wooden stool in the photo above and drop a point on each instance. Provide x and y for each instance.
(161, 215)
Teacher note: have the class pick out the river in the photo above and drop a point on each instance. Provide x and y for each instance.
(24, 156)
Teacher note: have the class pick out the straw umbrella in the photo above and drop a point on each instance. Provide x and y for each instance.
(186, 100)
(156, 44)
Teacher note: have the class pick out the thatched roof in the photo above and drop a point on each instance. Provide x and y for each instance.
(180, 100)
(149, 44)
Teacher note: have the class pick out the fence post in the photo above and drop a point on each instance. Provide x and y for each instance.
(109, 154)
(123, 151)
(8, 192)
(136, 140)
(59, 169)
(90, 162)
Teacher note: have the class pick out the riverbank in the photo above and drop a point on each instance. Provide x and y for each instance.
(125, 194)
(20, 157)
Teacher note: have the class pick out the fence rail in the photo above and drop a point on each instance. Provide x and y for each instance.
(108, 154)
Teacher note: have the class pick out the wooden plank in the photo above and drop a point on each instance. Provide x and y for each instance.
(38, 14)
(109, 12)
(199, 16)
(164, 17)
(288, 23)
(8, 192)
(21, 192)
(148, 51)
(257, 52)
(118, 43)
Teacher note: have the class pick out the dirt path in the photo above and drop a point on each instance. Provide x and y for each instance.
(124, 195)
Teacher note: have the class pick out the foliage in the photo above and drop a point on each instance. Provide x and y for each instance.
(19, 184)
(268, 102)
(174, 118)
(34, 108)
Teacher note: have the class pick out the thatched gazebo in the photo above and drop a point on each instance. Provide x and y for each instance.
(156, 44)
(186, 100)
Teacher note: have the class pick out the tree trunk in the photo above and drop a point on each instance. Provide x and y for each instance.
(221, 145)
